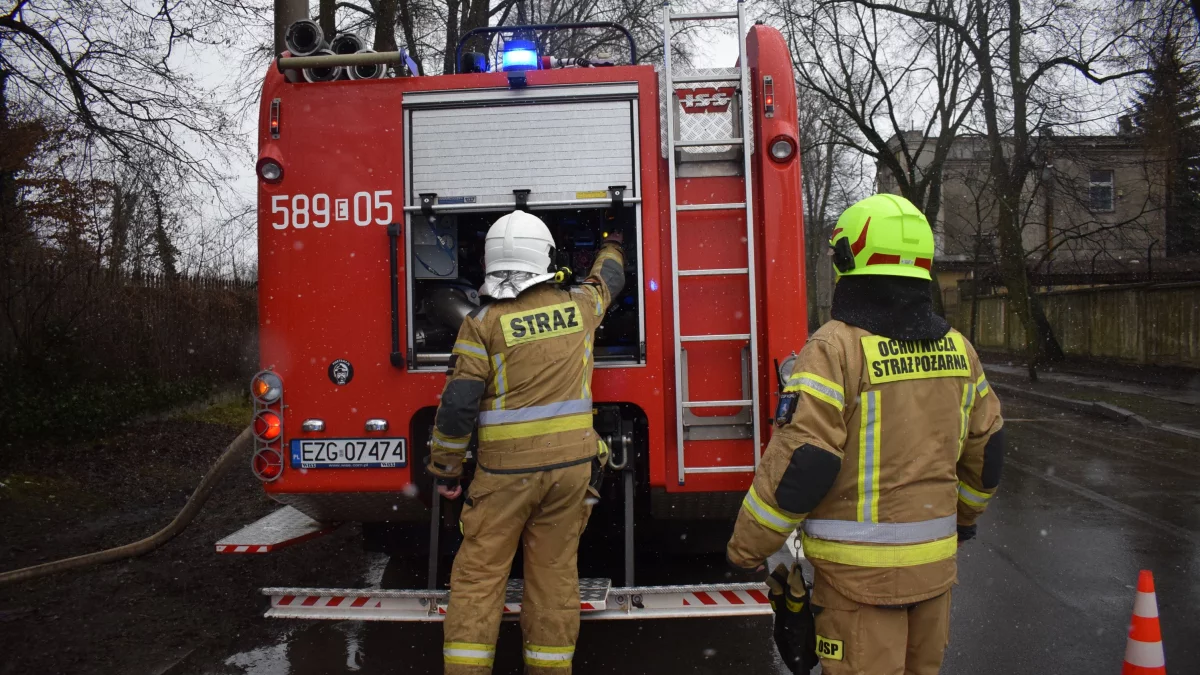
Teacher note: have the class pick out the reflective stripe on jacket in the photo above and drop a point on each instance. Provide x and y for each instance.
(908, 422)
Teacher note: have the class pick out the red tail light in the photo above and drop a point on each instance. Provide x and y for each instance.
(275, 118)
(267, 426)
(768, 96)
(267, 464)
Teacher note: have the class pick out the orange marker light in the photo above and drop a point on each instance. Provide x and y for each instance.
(266, 387)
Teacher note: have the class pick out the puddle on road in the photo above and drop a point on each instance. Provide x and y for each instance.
(276, 659)
(376, 565)
(342, 647)
(270, 660)
(353, 632)
(305, 651)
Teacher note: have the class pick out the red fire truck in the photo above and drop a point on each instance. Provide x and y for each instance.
(374, 199)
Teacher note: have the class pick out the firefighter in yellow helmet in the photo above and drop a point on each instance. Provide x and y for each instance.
(520, 372)
(888, 448)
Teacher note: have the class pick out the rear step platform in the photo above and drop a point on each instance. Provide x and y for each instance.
(282, 528)
(597, 600)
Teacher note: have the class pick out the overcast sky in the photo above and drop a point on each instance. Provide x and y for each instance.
(717, 49)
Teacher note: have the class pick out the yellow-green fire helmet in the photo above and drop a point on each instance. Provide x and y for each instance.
(883, 234)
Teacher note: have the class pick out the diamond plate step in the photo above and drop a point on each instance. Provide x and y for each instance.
(282, 528)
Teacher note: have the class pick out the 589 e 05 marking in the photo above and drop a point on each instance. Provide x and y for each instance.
(300, 211)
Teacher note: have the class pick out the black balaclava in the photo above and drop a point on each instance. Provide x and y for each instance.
(900, 308)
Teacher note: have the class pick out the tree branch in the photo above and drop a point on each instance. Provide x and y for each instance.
(357, 8)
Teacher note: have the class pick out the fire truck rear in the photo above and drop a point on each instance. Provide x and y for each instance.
(374, 199)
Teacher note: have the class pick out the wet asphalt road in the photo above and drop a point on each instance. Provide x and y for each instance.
(1046, 587)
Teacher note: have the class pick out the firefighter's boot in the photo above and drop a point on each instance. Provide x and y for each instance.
(550, 508)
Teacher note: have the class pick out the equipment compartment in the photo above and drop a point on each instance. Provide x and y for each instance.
(446, 263)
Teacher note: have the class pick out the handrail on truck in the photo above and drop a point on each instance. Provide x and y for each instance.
(492, 31)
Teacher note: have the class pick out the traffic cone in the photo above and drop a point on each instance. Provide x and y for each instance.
(1144, 650)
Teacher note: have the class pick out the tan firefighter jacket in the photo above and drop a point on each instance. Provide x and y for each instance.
(904, 426)
(521, 370)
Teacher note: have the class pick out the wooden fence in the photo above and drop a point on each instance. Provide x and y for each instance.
(1157, 324)
(101, 325)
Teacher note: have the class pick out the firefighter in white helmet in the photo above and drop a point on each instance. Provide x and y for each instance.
(889, 446)
(521, 373)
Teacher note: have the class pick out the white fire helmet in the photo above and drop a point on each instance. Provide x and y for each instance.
(516, 255)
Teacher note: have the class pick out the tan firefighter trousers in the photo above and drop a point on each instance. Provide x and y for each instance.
(546, 511)
(858, 639)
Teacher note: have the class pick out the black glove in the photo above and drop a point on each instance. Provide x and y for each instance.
(775, 585)
(795, 627)
(966, 533)
(598, 463)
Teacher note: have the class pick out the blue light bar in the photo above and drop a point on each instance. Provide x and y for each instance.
(519, 55)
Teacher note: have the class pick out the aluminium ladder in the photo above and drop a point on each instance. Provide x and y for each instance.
(683, 405)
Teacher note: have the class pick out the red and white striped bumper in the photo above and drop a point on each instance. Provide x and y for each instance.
(244, 548)
(597, 601)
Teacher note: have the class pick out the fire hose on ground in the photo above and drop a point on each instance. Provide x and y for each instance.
(239, 447)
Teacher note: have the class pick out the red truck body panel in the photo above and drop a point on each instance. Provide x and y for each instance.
(324, 279)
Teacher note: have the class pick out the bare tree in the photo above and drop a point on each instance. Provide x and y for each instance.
(164, 249)
(1028, 55)
(121, 216)
(832, 178)
(906, 87)
(643, 18)
(969, 205)
(110, 69)
(430, 30)
(1165, 116)
(886, 76)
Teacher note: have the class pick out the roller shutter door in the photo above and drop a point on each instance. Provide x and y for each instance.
(559, 151)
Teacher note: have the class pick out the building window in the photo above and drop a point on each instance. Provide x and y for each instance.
(1100, 191)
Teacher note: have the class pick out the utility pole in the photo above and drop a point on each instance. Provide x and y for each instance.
(287, 12)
